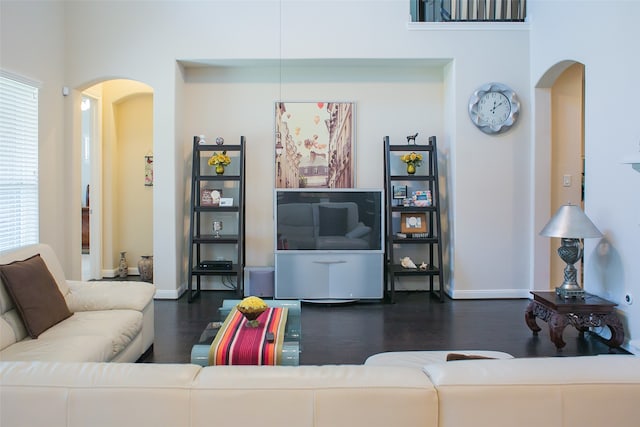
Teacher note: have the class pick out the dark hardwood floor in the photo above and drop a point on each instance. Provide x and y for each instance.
(349, 333)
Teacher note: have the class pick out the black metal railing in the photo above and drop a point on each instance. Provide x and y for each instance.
(468, 10)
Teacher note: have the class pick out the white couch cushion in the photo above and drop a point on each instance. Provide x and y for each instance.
(95, 394)
(93, 348)
(318, 396)
(12, 329)
(120, 327)
(557, 391)
(88, 296)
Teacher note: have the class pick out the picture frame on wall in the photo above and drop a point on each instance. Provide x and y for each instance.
(314, 144)
(413, 222)
(148, 170)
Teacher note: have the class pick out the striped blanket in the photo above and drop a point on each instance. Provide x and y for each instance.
(238, 344)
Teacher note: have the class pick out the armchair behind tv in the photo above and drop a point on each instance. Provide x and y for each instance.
(325, 225)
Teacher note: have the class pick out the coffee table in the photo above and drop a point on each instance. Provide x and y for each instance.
(581, 313)
(292, 333)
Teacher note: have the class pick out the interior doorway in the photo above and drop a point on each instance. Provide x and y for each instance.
(117, 176)
(91, 187)
(559, 125)
(567, 154)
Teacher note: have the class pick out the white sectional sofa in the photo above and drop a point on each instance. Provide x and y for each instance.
(590, 391)
(109, 322)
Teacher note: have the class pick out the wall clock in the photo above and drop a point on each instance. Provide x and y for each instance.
(494, 108)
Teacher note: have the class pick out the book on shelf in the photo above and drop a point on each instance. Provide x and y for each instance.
(412, 235)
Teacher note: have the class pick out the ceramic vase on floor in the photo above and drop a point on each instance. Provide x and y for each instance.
(123, 267)
(145, 268)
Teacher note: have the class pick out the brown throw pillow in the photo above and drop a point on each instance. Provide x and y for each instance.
(458, 356)
(35, 294)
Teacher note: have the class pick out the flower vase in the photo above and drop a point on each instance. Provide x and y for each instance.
(145, 268)
(220, 169)
(411, 168)
(123, 267)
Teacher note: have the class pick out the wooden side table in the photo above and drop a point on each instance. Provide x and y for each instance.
(558, 312)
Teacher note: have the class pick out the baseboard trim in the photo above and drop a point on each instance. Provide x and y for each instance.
(132, 271)
(490, 294)
(170, 293)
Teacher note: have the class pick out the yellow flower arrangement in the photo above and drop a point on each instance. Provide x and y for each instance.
(252, 303)
(251, 308)
(412, 159)
(219, 159)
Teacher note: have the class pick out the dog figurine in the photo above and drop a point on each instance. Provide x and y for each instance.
(412, 138)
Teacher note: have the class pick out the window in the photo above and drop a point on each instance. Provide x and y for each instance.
(18, 163)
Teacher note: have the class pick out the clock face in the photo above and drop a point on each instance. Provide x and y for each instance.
(494, 108)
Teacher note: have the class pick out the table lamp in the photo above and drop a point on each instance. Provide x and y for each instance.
(572, 225)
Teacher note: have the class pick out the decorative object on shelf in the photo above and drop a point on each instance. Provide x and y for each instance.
(421, 198)
(412, 138)
(423, 266)
(572, 225)
(201, 140)
(210, 196)
(219, 140)
(406, 262)
(148, 170)
(251, 308)
(145, 268)
(314, 140)
(494, 108)
(219, 160)
(217, 226)
(413, 160)
(399, 193)
(123, 267)
(414, 222)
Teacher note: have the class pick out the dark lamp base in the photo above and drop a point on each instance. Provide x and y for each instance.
(569, 293)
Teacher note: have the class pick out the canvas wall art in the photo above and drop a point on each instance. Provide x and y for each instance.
(314, 145)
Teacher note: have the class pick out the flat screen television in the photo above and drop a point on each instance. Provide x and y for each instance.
(312, 219)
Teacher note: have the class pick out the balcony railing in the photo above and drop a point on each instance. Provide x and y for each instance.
(468, 10)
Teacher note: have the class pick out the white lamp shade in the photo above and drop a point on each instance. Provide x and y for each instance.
(570, 222)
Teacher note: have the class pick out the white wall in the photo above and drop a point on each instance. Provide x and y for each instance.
(32, 46)
(480, 208)
(397, 98)
(599, 34)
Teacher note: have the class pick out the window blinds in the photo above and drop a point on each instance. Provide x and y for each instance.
(18, 163)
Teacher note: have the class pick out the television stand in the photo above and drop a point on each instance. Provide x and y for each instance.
(324, 276)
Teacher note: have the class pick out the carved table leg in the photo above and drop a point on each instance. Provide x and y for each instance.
(617, 331)
(530, 318)
(557, 323)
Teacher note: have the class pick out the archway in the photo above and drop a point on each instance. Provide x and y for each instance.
(119, 160)
(558, 159)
